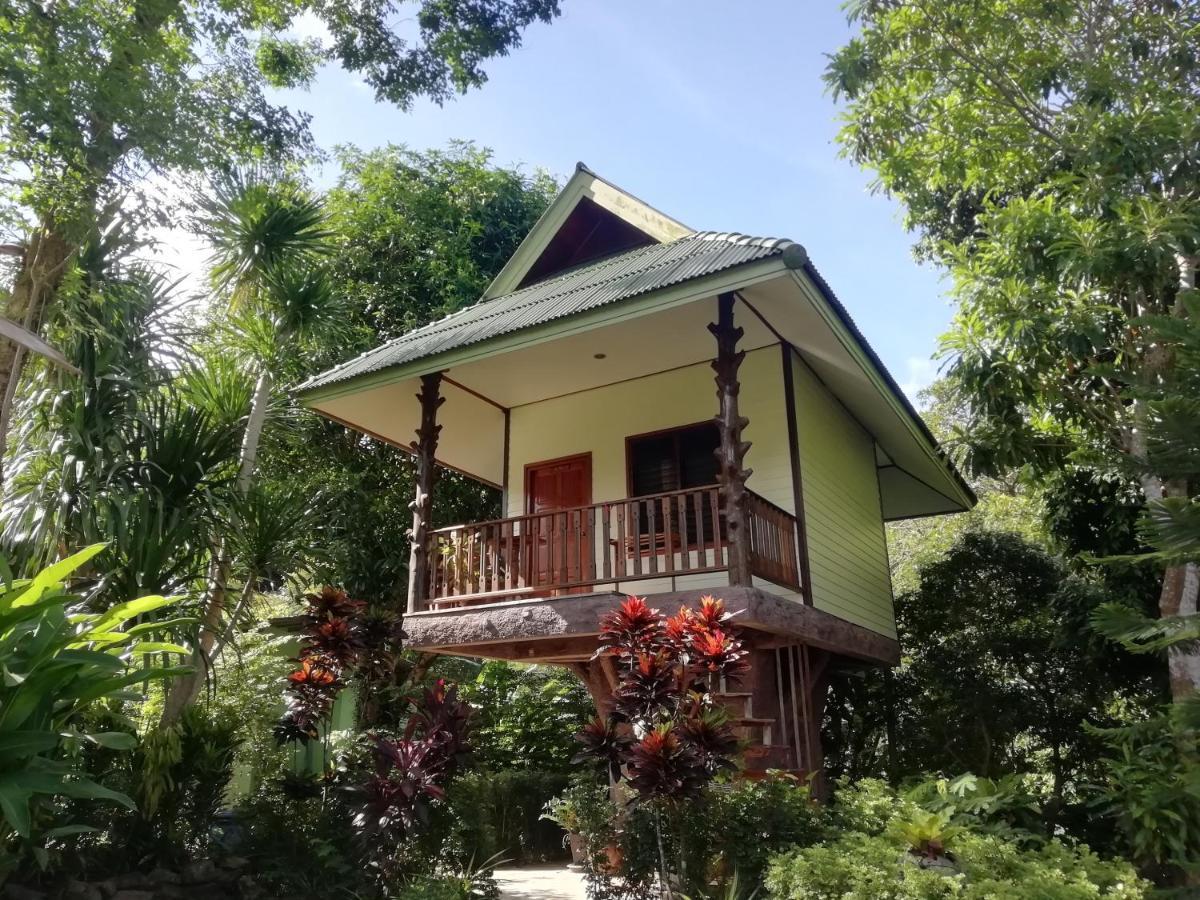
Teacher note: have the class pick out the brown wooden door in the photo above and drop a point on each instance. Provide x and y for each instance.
(562, 539)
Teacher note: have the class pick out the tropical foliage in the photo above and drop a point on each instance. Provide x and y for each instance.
(62, 659)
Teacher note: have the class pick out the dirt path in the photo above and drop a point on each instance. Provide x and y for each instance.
(540, 883)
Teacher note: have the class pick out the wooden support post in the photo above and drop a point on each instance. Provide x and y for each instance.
(731, 454)
(425, 447)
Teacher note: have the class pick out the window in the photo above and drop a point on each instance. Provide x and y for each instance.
(674, 460)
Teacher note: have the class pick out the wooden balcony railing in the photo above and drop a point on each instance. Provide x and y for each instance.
(616, 543)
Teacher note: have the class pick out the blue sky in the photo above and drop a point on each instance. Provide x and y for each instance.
(714, 112)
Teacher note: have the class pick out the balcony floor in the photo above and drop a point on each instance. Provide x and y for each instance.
(564, 629)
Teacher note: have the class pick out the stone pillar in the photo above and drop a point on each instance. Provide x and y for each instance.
(731, 454)
(424, 447)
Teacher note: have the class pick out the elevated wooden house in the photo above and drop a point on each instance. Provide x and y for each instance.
(581, 385)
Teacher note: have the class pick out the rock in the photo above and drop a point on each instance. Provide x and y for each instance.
(199, 872)
(235, 862)
(108, 887)
(17, 892)
(133, 881)
(171, 892)
(131, 894)
(81, 890)
(160, 876)
(248, 888)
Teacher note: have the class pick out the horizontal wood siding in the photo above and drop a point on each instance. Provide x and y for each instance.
(599, 420)
(847, 553)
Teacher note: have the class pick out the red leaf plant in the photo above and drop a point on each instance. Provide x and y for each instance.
(666, 735)
(410, 770)
(333, 644)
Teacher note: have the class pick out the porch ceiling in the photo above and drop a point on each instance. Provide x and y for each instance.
(472, 438)
(655, 333)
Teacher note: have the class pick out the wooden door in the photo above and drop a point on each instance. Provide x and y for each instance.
(562, 539)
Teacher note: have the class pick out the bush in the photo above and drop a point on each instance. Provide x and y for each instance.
(858, 866)
(178, 777)
(526, 716)
(750, 821)
(731, 830)
(865, 856)
(496, 814)
(62, 663)
(298, 838)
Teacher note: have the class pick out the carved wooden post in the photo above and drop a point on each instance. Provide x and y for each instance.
(425, 446)
(732, 453)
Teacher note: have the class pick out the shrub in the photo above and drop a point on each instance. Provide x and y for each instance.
(873, 851)
(729, 832)
(178, 776)
(750, 821)
(526, 716)
(859, 866)
(500, 814)
(299, 841)
(61, 661)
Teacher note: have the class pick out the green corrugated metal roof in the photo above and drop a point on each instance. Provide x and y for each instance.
(607, 281)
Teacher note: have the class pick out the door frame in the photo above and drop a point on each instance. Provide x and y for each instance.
(586, 458)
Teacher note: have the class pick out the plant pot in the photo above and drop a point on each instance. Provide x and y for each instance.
(613, 858)
(578, 848)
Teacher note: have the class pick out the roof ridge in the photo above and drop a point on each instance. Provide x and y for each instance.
(425, 330)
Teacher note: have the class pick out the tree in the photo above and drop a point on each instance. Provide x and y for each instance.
(1045, 153)
(122, 454)
(1001, 672)
(97, 98)
(415, 235)
(268, 240)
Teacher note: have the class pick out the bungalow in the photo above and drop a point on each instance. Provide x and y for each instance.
(581, 387)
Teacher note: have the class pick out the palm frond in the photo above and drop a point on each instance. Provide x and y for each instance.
(1141, 634)
(256, 224)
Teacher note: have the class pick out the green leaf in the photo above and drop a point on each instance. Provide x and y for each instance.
(112, 740)
(69, 830)
(123, 612)
(146, 647)
(51, 576)
(102, 688)
(164, 625)
(19, 744)
(14, 803)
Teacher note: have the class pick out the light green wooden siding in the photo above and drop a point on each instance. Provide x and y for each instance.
(846, 549)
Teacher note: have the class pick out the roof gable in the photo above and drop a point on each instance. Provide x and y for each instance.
(588, 220)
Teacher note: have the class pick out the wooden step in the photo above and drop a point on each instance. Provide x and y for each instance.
(736, 704)
(760, 757)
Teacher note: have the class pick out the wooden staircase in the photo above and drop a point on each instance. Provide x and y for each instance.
(756, 732)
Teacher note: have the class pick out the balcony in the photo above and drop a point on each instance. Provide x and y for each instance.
(642, 544)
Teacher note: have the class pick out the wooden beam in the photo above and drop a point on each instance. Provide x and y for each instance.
(425, 450)
(731, 455)
(789, 399)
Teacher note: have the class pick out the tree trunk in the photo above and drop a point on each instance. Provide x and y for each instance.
(1181, 584)
(255, 423)
(425, 448)
(731, 454)
(43, 266)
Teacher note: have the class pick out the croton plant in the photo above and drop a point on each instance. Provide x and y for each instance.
(666, 735)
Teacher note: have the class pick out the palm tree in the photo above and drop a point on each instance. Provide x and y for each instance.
(116, 454)
(269, 238)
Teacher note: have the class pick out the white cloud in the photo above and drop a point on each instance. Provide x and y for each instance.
(919, 374)
(307, 25)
